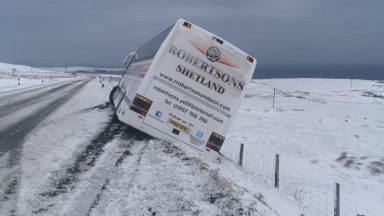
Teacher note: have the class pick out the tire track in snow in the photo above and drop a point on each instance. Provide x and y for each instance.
(127, 167)
(106, 182)
(92, 168)
(131, 177)
(160, 179)
(118, 162)
(86, 159)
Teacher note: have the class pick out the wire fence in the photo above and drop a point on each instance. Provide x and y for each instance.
(313, 199)
(109, 78)
(349, 207)
(40, 75)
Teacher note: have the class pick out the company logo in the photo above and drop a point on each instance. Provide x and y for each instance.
(199, 134)
(158, 114)
(213, 54)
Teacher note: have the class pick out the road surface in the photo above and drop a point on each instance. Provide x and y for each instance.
(20, 112)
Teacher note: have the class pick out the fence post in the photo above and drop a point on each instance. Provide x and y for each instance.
(241, 155)
(277, 171)
(336, 211)
(274, 92)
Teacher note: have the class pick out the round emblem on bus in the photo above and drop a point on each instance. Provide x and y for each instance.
(213, 54)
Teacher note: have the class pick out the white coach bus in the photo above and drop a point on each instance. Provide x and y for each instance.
(185, 85)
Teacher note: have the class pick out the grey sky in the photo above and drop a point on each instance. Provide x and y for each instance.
(101, 32)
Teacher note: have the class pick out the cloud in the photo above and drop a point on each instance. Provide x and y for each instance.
(275, 31)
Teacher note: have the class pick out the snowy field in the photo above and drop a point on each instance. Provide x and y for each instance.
(80, 160)
(325, 131)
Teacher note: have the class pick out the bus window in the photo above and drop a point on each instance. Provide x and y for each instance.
(149, 49)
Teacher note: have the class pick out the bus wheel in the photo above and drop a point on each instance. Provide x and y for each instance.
(111, 95)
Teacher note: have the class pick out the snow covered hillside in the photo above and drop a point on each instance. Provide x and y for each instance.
(326, 131)
(17, 77)
(22, 70)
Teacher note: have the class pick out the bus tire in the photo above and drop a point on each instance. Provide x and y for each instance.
(111, 95)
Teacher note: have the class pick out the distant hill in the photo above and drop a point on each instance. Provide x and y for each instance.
(366, 72)
(115, 71)
(8, 68)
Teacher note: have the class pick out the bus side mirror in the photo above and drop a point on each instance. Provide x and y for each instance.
(129, 58)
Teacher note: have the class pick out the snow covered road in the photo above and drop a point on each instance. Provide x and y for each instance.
(20, 113)
(36, 105)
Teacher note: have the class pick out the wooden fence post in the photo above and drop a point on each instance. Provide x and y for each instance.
(274, 92)
(241, 155)
(277, 171)
(336, 211)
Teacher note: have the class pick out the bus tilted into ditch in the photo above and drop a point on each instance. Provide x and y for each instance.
(185, 85)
